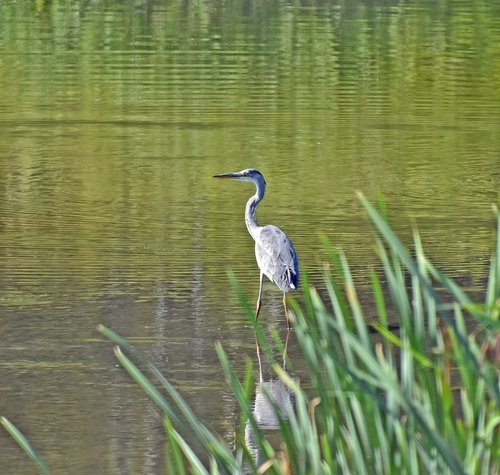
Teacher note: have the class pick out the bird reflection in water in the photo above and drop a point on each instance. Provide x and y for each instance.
(273, 401)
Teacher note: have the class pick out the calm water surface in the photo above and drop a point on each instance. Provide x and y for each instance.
(114, 117)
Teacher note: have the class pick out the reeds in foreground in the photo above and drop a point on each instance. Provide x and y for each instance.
(417, 391)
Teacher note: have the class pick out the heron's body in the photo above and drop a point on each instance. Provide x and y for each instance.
(276, 258)
(275, 254)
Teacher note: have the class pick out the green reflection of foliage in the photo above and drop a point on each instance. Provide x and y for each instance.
(352, 94)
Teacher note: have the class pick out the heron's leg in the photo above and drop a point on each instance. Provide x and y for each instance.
(286, 311)
(285, 351)
(259, 300)
(261, 379)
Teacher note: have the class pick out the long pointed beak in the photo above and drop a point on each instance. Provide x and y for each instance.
(227, 175)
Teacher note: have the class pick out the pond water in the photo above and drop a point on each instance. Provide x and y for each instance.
(114, 116)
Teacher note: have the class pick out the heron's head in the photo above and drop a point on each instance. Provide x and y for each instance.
(250, 174)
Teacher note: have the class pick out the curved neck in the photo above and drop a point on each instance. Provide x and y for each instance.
(250, 215)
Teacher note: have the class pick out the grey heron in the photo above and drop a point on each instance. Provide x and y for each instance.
(274, 251)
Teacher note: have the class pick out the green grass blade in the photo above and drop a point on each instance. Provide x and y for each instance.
(391, 337)
(191, 458)
(379, 300)
(493, 289)
(114, 337)
(173, 456)
(23, 442)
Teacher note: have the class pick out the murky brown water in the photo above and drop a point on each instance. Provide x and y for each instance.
(113, 119)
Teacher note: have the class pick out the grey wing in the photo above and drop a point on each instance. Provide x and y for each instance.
(276, 258)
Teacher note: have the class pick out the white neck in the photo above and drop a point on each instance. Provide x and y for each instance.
(250, 216)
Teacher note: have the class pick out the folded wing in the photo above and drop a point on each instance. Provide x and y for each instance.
(276, 258)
